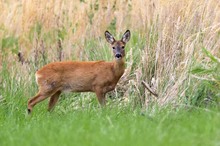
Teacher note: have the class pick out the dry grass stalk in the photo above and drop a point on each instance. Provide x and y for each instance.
(174, 33)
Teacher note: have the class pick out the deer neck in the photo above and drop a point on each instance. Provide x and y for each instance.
(119, 67)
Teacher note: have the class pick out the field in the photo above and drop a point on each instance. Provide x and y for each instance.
(174, 49)
(111, 126)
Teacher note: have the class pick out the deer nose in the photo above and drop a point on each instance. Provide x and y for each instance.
(118, 55)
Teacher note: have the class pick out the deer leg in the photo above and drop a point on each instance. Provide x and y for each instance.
(53, 100)
(101, 97)
(36, 99)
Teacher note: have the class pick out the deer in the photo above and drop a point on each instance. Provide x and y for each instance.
(99, 77)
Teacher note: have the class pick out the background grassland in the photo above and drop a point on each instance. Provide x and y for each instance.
(174, 47)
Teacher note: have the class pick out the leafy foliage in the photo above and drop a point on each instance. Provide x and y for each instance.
(208, 74)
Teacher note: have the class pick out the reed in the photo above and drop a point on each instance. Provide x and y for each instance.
(166, 43)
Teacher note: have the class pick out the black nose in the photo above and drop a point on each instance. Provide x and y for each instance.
(118, 55)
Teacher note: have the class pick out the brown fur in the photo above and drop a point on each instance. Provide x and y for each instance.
(76, 76)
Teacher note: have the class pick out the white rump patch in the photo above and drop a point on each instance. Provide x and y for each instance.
(37, 77)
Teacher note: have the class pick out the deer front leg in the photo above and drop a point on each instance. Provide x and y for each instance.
(101, 96)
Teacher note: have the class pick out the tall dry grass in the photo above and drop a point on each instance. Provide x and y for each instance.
(167, 38)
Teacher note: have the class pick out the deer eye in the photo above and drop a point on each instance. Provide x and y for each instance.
(123, 47)
(113, 47)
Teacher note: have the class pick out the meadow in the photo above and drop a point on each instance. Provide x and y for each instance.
(174, 49)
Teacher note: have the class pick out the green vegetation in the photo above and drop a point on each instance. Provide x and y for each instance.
(174, 48)
(109, 126)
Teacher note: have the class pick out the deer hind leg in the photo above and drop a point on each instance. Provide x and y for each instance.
(53, 100)
(36, 99)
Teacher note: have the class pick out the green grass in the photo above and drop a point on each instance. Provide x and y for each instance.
(78, 119)
(179, 49)
(113, 125)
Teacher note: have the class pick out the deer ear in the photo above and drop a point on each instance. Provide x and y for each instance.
(109, 37)
(126, 36)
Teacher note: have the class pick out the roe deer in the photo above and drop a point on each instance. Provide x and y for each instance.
(88, 76)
